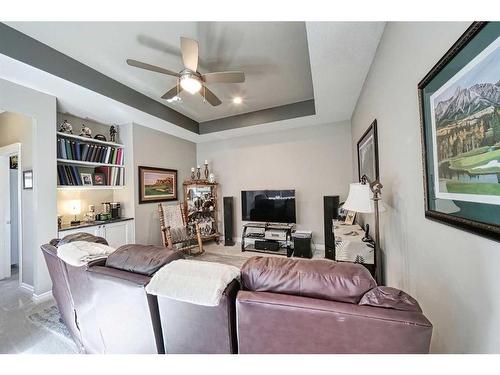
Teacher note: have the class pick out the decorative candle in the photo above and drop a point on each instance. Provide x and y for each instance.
(192, 169)
(206, 162)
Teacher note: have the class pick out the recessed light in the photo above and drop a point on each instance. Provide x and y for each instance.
(237, 100)
(174, 99)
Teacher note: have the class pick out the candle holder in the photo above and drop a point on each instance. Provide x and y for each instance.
(206, 171)
(192, 174)
(198, 173)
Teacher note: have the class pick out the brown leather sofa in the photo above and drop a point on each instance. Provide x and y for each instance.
(104, 304)
(319, 306)
(195, 329)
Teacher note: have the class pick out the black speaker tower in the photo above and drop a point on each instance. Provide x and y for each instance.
(228, 221)
(330, 212)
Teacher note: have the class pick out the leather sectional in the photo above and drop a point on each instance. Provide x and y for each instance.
(284, 306)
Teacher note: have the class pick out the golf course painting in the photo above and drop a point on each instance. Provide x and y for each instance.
(157, 184)
(465, 123)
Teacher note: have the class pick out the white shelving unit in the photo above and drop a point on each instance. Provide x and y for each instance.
(88, 163)
(89, 140)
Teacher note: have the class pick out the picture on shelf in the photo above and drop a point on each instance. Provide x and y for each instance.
(99, 179)
(349, 218)
(86, 179)
(157, 184)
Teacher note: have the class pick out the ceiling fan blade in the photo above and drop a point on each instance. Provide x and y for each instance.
(189, 49)
(139, 64)
(210, 96)
(172, 92)
(224, 77)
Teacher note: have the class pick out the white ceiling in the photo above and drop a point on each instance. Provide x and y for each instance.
(273, 55)
(340, 55)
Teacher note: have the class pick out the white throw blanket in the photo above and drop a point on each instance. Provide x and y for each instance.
(197, 282)
(79, 253)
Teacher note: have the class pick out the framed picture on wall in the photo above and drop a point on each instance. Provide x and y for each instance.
(368, 153)
(460, 126)
(157, 185)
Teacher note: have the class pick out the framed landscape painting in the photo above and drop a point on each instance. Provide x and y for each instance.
(157, 185)
(460, 121)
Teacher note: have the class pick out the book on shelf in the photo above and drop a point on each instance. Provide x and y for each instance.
(69, 149)
(69, 175)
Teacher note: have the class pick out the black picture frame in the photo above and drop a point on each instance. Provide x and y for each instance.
(168, 173)
(372, 130)
(447, 65)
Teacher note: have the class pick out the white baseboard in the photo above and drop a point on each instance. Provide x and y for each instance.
(38, 298)
(28, 288)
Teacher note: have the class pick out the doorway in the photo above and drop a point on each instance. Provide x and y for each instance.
(10, 212)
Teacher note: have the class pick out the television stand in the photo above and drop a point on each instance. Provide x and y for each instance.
(275, 234)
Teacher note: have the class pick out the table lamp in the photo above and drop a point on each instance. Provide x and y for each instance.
(75, 208)
(364, 197)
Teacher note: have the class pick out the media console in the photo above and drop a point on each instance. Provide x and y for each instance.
(271, 238)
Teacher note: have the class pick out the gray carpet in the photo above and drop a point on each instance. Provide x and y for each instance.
(232, 260)
(46, 315)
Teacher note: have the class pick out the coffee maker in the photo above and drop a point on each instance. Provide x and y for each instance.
(115, 208)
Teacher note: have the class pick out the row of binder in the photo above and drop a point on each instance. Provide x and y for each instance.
(75, 150)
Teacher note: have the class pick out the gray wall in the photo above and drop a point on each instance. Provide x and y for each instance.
(14, 217)
(18, 128)
(315, 161)
(156, 149)
(453, 274)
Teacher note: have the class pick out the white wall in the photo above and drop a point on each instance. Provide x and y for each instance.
(453, 274)
(42, 109)
(315, 161)
(157, 149)
(19, 128)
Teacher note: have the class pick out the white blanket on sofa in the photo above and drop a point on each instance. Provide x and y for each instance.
(197, 282)
(79, 253)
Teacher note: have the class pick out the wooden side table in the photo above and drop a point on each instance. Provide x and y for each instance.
(349, 246)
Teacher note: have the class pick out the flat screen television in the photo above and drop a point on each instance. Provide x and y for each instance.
(271, 206)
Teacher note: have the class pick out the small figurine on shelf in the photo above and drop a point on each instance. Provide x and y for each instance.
(66, 127)
(112, 133)
(192, 174)
(206, 170)
(85, 132)
(198, 174)
(211, 178)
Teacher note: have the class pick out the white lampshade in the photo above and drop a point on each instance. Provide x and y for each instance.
(75, 207)
(360, 199)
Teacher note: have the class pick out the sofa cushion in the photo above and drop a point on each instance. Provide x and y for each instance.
(323, 279)
(142, 259)
(392, 298)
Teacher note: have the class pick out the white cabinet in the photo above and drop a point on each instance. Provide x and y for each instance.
(117, 233)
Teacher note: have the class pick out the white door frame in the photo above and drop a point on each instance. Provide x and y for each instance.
(10, 150)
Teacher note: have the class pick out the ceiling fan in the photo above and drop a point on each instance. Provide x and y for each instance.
(189, 79)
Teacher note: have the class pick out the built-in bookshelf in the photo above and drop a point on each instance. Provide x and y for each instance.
(89, 163)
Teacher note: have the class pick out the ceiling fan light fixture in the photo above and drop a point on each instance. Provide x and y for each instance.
(190, 83)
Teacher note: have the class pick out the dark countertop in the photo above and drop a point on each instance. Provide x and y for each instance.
(93, 224)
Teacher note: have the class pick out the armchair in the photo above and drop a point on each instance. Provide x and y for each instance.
(175, 231)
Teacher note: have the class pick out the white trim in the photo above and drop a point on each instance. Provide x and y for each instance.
(39, 298)
(26, 287)
(10, 150)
